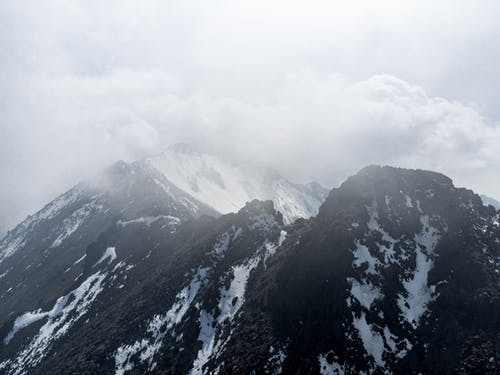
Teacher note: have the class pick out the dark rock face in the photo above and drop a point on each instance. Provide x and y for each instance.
(398, 273)
(406, 269)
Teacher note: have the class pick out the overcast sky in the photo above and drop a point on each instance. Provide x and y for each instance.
(315, 89)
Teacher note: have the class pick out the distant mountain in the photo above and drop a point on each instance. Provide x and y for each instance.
(227, 185)
(488, 200)
(397, 273)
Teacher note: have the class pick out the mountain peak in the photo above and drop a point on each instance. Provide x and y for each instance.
(399, 193)
(226, 185)
(377, 172)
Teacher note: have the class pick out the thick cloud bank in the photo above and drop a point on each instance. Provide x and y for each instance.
(320, 128)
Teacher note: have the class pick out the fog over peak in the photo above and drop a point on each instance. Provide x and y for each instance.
(315, 90)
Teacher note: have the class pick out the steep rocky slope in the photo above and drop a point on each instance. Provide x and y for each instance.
(43, 256)
(398, 273)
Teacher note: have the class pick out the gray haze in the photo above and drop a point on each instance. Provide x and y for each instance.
(314, 89)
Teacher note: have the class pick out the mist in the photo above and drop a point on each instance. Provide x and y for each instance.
(316, 90)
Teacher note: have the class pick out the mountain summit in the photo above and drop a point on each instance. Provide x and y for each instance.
(397, 273)
(227, 185)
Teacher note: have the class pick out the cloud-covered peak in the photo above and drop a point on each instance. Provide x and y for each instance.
(314, 91)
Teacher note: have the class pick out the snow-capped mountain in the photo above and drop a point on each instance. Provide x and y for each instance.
(488, 200)
(398, 273)
(227, 185)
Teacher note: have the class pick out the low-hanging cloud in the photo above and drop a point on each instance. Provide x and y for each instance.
(82, 91)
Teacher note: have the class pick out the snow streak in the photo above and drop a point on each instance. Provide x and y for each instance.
(64, 314)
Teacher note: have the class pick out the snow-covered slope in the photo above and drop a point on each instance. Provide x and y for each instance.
(227, 185)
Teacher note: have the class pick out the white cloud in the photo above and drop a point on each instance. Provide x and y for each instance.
(83, 83)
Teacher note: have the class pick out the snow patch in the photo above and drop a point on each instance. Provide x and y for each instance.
(209, 346)
(282, 238)
(109, 254)
(158, 327)
(372, 341)
(387, 248)
(326, 368)
(365, 293)
(230, 301)
(66, 311)
(222, 244)
(419, 294)
(232, 298)
(271, 247)
(391, 339)
(171, 221)
(263, 222)
(80, 259)
(408, 201)
(276, 360)
(362, 255)
(11, 247)
(15, 239)
(74, 221)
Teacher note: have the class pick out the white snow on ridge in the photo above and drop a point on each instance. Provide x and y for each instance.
(227, 186)
(73, 222)
(232, 298)
(276, 361)
(109, 254)
(391, 339)
(209, 326)
(230, 301)
(54, 207)
(4, 364)
(362, 255)
(209, 346)
(80, 259)
(326, 368)
(171, 221)
(372, 341)
(293, 202)
(222, 243)
(158, 327)
(271, 247)
(65, 312)
(263, 222)
(365, 293)
(26, 319)
(283, 235)
(418, 293)
(408, 201)
(387, 249)
(11, 247)
(15, 239)
(161, 325)
(412, 303)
